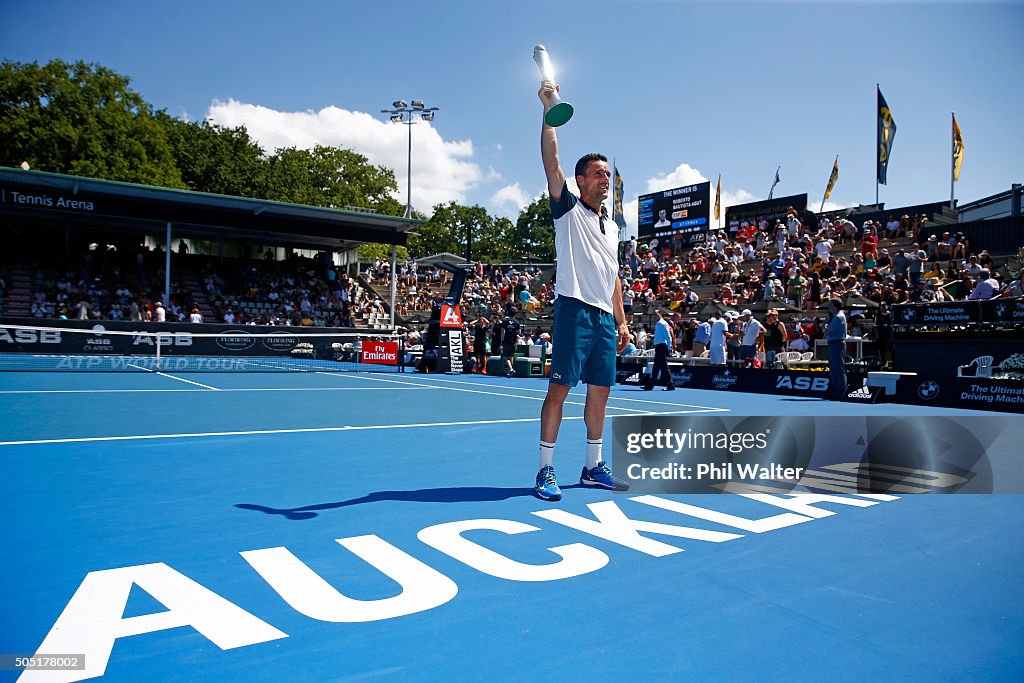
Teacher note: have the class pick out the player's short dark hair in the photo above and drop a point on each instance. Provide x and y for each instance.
(581, 165)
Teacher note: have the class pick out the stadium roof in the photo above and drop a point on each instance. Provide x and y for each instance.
(35, 196)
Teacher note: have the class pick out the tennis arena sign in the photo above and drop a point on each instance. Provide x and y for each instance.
(94, 618)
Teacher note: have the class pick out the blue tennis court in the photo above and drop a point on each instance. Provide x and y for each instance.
(351, 526)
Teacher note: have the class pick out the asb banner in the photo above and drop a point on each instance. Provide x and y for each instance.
(752, 380)
(85, 337)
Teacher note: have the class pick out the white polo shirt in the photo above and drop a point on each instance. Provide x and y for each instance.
(751, 331)
(588, 261)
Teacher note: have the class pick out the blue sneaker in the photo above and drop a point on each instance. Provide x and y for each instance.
(546, 487)
(601, 477)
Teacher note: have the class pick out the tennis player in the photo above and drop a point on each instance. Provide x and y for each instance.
(590, 323)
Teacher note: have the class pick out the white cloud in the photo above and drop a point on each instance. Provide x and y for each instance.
(510, 199)
(442, 170)
(729, 198)
(684, 174)
(832, 206)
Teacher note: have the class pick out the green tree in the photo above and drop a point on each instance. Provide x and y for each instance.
(211, 158)
(371, 251)
(534, 231)
(81, 119)
(330, 177)
(450, 227)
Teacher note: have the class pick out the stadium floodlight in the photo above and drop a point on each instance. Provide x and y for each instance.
(404, 114)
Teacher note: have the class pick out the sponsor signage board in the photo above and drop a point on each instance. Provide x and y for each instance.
(380, 353)
(753, 380)
(66, 336)
(682, 210)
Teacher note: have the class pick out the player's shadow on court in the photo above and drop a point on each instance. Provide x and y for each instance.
(466, 494)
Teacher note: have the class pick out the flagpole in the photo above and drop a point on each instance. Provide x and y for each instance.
(952, 157)
(878, 140)
(615, 176)
(772, 190)
(827, 184)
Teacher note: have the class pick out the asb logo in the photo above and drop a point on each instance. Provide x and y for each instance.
(451, 317)
(23, 336)
(802, 383)
(928, 390)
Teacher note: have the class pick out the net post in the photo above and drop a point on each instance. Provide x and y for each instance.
(159, 343)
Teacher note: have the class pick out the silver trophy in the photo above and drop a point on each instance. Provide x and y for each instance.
(560, 112)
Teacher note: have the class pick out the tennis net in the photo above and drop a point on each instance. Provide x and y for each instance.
(95, 348)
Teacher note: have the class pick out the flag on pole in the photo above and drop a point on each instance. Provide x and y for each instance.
(886, 134)
(774, 183)
(718, 198)
(617, 213)
(832, 179)
(958, 150)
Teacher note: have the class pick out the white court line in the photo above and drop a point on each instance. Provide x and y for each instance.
(197, 391)
(164, 374)
(188, 381)
(577, 393)
(302, 430)
(422, 382)
(476, 391)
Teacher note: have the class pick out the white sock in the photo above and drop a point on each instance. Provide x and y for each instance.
(547, 454)
(593, 453)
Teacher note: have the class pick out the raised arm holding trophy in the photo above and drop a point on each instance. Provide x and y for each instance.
(589, 327)
(558, 112)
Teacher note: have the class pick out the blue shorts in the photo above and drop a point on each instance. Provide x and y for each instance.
(583, 344)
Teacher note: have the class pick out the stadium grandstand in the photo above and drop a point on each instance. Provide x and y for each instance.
(90, 251)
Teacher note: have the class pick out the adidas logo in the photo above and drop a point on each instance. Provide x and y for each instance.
(863, 392)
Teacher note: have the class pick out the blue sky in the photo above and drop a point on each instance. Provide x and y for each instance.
(675, 92)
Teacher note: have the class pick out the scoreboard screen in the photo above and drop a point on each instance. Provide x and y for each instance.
(682, 210)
